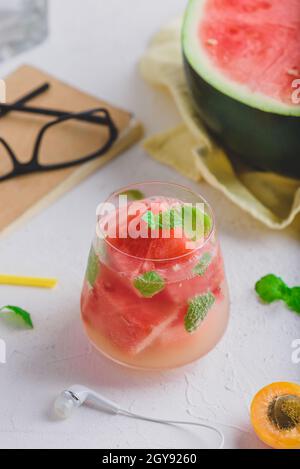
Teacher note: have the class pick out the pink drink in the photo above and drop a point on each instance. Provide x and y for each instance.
(155, 303)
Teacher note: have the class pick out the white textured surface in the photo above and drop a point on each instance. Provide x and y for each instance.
(96, 44)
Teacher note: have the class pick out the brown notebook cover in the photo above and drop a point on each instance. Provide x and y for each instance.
(24, 196)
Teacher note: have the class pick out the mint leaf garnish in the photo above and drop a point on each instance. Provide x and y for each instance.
(151, 220)
(195, 222)
(198, 310)
(19, 312)
(92, 268)
(170, 219)
(134, 194)
(149, 284)
(167, 220)
(271, 288)
(203, 265)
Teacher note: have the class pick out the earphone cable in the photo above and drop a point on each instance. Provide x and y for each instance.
(176, 422)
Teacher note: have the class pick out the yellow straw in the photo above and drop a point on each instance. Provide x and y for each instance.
(28, 281)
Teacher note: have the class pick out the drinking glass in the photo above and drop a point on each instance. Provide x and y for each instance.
(23, 24)
(155, 295)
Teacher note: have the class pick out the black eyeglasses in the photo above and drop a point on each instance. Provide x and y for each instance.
(57, 139)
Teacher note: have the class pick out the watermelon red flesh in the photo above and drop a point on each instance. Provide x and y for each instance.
(131, 323)
(254, 42)
(123, 250)
(211, 281)
(152, 249)
(117, 313)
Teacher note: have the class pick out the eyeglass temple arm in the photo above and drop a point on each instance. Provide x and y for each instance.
(50, 112)
(17, 106)
(34, 93)
(27, 97)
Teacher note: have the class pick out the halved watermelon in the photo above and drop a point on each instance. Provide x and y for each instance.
(242, 62)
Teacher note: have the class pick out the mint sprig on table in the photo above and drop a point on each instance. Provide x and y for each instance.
(149, 284)
(92, 268)
(203, 264)
(186, 216)
(271, 288)
(198, 310)
(24, 315)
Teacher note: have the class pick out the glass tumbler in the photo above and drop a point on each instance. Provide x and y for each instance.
(23, 24)
(155, 294)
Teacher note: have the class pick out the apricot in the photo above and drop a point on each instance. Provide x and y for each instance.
(275, 415)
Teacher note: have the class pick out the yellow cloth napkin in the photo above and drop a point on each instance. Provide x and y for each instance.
(270, 198)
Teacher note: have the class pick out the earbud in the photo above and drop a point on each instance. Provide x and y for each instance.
(65, 404)
(77, 395)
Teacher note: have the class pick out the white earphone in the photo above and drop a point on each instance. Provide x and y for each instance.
(77, 395)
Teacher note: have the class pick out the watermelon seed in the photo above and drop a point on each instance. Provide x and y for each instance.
(212, 42)
(293, 72)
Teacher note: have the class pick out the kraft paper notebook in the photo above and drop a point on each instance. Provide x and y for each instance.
(24, 196)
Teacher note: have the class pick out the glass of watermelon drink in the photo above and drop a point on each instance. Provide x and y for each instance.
(155, 294)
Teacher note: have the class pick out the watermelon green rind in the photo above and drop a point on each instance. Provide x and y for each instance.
(262, 131)
(201, 63)
(268, 141)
